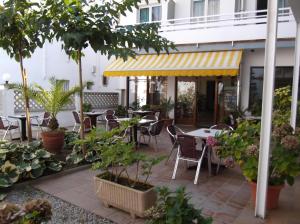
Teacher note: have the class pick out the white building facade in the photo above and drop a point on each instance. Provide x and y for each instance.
(214, 26)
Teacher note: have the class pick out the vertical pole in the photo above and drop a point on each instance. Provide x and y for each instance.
(295, 79)
(267, 107)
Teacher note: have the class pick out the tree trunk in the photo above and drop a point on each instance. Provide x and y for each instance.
(81, 95)
(25, 92)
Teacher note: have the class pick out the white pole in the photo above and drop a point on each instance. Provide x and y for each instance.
(295, 79)
(267, 106)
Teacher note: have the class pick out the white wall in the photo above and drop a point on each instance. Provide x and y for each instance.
(256, 58)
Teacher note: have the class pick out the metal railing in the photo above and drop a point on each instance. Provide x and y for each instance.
(246, 18)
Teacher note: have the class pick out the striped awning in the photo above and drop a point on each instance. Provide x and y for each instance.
(219, 63)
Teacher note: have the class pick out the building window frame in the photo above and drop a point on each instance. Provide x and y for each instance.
(150, 11)
(206, 8)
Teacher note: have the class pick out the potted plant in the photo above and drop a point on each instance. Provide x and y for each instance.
(175, 207)
(166, 106)
(121, 111)
(243, 146)
(114, 186)
(53, 101)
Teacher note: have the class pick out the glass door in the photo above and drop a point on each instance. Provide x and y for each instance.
(185, 108)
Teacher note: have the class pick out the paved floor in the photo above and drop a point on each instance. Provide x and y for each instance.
(225, 197)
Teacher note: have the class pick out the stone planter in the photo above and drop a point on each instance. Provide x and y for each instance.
(273, 193)
(134, 201)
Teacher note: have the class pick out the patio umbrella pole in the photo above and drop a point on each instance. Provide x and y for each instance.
(267, 107)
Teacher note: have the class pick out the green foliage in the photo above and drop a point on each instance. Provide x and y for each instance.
(86, 107)
(121, 111)
(18, 161)
(282, 106)
(70, 139)
(23, 28)
(167, 105)
(175, 208)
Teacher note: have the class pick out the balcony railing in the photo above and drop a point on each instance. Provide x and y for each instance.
(224, 20)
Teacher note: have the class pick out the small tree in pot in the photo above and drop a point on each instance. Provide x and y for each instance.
(166, 106)
(53, 101)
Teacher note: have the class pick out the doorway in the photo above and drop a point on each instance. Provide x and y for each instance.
(185, 101)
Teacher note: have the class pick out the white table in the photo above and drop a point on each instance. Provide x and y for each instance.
(204, 133)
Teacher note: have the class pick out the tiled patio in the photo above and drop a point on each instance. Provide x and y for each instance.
(226, 196)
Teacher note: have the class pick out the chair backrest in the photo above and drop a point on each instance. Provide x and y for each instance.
(157, 127)
(172, 133)
(110, 112)
(1, 123)
(187, 146)
(130, 112)
(109, 117)
(76, 117)
(222, 127)
(112, 124)
(47, 118)
(157, 114)
(87, 124)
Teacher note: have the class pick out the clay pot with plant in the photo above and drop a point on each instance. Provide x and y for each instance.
(167, 105)
(53, 101)
(113, 185)
(243, 146)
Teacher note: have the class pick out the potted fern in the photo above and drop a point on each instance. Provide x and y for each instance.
(53, 101)
(166, 106)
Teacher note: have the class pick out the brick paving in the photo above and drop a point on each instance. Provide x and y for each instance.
(225, 197)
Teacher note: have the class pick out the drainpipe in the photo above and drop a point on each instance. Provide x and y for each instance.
(294, 105)
(267, 107)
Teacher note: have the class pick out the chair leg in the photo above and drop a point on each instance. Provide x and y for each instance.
(170, 154)
(175, 168)
(4, 136)
(218, 167)
(197, 172)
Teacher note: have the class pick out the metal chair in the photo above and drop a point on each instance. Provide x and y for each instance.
(109, 116)
(152, 131)
(41, 122)
(187, 151)
(77, 124)
(173, 133)
(214, 157)
(8, 126)
(113, 124)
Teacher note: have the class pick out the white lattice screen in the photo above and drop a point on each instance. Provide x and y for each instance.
(101, 100)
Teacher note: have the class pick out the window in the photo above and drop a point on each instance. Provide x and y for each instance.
(283, 4)
(206, 7)
(283, 77)
(150, 14)
(104, 80)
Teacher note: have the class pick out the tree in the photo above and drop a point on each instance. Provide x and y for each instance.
(23, 28)
(80, 24)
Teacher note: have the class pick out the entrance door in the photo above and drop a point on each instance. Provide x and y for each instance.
(185, 109)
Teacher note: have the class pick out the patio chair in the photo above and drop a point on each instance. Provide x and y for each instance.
(130, 112)
(8, 126)
(41, 123)
(215, 159)
(188, 152)
(77, 124)
(109, 117)
(113, 124)
(152, 131)
(173, 133)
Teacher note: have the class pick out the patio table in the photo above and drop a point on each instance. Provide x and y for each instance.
(93, 116)
(22, 119)
(204, 133)
(141, 122)
(142, 113)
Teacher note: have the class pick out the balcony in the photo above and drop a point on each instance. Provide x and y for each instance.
(241, 26)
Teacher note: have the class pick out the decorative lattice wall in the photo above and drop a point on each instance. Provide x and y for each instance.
(102, 100)
(34, 107)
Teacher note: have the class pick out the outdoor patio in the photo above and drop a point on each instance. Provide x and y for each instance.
(225, 197)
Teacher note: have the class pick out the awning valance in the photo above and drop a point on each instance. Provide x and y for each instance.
(219, 63)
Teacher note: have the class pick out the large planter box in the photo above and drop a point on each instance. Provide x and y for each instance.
(125, 198)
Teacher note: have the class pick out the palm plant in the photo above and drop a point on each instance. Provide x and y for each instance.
(54, 100)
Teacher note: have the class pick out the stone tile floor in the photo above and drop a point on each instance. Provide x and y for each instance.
(225, 197)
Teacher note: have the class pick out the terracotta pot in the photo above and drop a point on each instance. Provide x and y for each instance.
(134, 201)
(53, 141)
(273, 193)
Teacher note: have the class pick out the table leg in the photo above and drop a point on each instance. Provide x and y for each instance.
(93, 121)
(23, 129)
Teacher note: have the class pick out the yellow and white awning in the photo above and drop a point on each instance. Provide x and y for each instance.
(219, 63)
